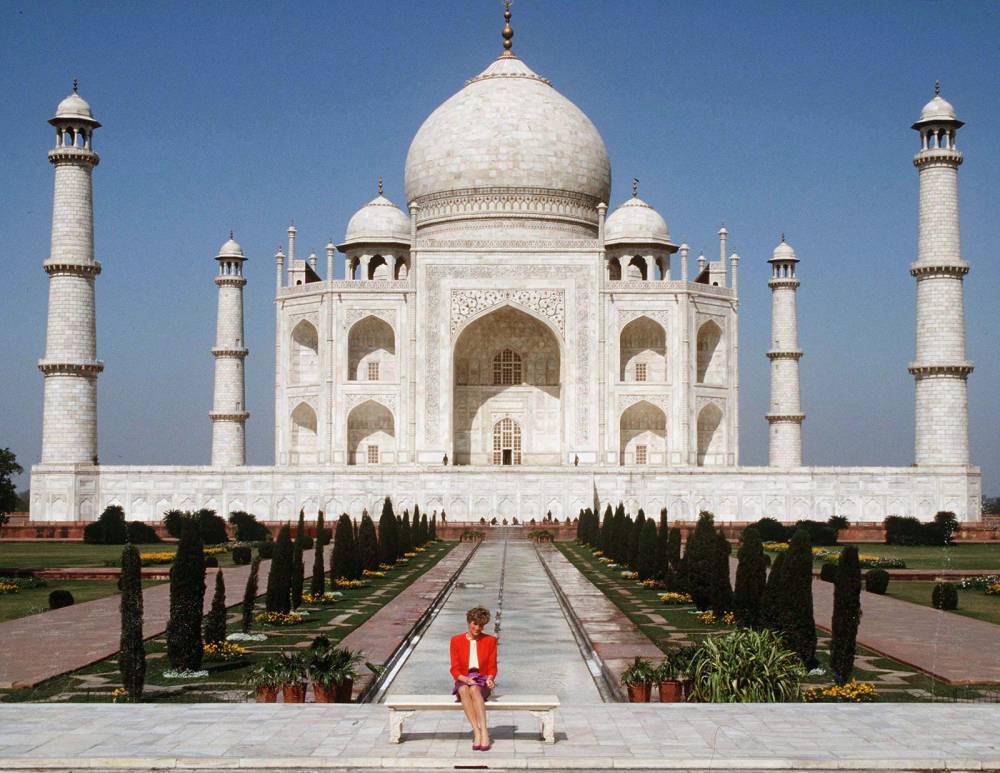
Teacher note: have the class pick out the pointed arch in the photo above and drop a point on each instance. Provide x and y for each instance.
(711, 354)
(303, 366)
(642, 435)
(711, 436)
(304, 434)
(371, 434)
(642, 350)
(371, 350)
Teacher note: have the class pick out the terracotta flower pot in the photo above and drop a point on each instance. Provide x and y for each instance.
(294, 692)
(344, 690)
(325, 693)
(639, 693)
(671, 691)
(688, 687)
(267, 695)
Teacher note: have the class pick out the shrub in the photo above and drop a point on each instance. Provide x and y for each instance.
(368, 550)
(900, 530)
(108, 529)
(388, 538)
(798, 625)
(298, 565)
(265, 550)
(60, 598)
(308, 543)
(343, 562)
(700, 562)
(242, 555)
(745, 666)
(846, 614)
(131, 648)
(722, 591)
(672, 567)
(771, 530)
(819, 533)
(211, 526)
(945, 596)
(279, 578)
(248, 528)
(751, 578)
(838, 522)
(828, 571)
(187, 595)
(140, 533)
(211, 562)
(215, 620)
(317, 584)
(646, 554)
(250, 595)
(877, 581)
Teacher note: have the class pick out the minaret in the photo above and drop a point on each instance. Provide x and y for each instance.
(228, 413)
(940, 368)
(70, 365)
(785, 415)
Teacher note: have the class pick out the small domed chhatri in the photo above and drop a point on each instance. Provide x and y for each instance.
(378, 222)
(938, 110)
(635, 222)
(75, 108)
(231, 249)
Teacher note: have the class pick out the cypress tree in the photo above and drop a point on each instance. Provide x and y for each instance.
(250, 595)
(416, 537)
(388, 541)
(797, 622)
(646, 559)
(846, 614)
(215, 620)
(699, 561)
(621, 535)
(581, 528)
(751, 578)
(317, 585)
(672, 566)
(279, 578)
(298, 565)
(368, 545)
(434, 529)
(343, 563)
(132, 650)
(770, 602)
(405, 534)
(635, 533)
(662, 536)
(722, 591)
(425, 533)
(187, 595)
(607, 531)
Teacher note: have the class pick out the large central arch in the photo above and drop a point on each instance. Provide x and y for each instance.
(507, 365)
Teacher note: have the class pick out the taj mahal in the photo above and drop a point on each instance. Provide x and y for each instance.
(507, 344)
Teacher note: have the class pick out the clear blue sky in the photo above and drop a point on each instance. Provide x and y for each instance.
(771, 117)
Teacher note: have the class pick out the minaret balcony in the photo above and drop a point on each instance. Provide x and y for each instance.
(221, 351)
(789, 354)
(944, 369)
(61, 267)
(937, 157)
(66, 368)
(73, 155)
(957, 269)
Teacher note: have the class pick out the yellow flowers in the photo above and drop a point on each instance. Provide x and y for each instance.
(411, 554)
(852, 692)
(149, 559)
(993, 590)
(343, 582)
(118, 692)
(598, 553)
(675, 598)
(708, 618)
(8, 587)
(278, 618)
(372, 573)
(729, 618)
(627, 575)
(224, 651)
(327, 599)
(650, 584)
(385, 567)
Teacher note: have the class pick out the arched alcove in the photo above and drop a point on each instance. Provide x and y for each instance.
(711, 354)
(304, 438)
(378, 268)
(643, 434)
(371, 435)
(642, 348)
(371, 351)
(711, 436)
(303, 366)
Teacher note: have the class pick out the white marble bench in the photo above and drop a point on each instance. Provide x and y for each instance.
(401, 707)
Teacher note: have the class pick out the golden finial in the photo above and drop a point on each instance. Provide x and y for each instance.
(635, 187)
(230, 233)
(782, 237)
(76, 85)
(937, 88)
(380, 185)
(508, 33)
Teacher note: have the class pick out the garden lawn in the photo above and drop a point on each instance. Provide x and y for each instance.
(60, 555)
(971, 603)
(96, 682)
(670, 626)
(30, 601)
(984, 557)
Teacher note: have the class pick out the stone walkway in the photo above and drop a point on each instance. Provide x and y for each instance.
(39, 647)
(599, 736)
(537, 652)
(954, 648)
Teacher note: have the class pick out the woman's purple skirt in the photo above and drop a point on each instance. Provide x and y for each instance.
(480, 681)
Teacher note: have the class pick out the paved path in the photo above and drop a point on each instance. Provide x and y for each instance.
(38, 647)
(588, 737)
(957, 649)
(537, 652)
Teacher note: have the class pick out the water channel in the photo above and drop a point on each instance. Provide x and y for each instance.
(537, 652)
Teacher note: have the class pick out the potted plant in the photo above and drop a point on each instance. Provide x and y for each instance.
(344, 669)
(322, 672)
(681, 660)
(638, 680)
(264, 678)
(670, 686)
(293, 671)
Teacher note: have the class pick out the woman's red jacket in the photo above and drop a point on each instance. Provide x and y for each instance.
(486, 651)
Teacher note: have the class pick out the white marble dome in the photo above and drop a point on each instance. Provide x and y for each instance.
(75, 107)
(378, 222)
(938, 109)
(508, 128)
(231, 249)
(783, 252)
(635, 222)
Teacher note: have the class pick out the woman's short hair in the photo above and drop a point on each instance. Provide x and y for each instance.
(479, 615)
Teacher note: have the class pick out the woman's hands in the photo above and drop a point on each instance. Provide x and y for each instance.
(489, 682)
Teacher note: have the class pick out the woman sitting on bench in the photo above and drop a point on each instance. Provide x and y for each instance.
(474, 668)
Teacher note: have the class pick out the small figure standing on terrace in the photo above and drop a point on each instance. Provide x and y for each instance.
(474, 668)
